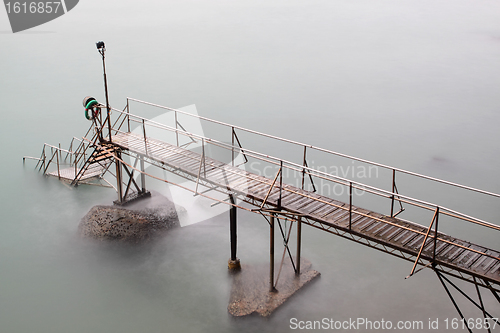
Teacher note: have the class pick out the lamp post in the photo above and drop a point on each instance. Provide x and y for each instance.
(102, 48)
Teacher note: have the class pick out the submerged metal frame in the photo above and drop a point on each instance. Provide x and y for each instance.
(486, 315)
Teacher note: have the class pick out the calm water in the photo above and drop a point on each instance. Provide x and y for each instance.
(408, 83)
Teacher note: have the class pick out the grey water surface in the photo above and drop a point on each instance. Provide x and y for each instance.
(413, 84)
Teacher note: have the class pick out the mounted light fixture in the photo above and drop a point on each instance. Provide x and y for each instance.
(102, 48)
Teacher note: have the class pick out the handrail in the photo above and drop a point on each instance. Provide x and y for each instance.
(77, 154)
(323, 150)
(314, 172)
(80, 155)
(32, 158)
(58, 148)
(98, 142)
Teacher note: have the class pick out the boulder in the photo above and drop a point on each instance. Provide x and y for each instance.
(140, 222)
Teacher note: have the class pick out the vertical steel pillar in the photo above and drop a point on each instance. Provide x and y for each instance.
(435, 237)
(234, 262)
(119, 177)
(299, 243)
(350, 205)
(128, 115)
(281, 184)
(102, 50)
(393, 189)
(176, 129)
(271, 255)
(304, 163)
(143, 176)
(232, 146)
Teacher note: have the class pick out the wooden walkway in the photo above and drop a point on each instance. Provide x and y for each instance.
(404, 236)
(93, 171)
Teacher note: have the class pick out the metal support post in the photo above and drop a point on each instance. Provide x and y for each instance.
(393, 189)
(434, 218)
(102, 49)
(451, 298)
(304, 163)
(232, 146)
(271, 254)
(435, 236)
(119, 177)
(128, 115)
(350, 205)
(234, 262)
(281, 184)
(143, 176)
(481, 302)
(204, 157)
(492, 290)
(299, 243)
(144, 133)
(58, 171)
(176, 129)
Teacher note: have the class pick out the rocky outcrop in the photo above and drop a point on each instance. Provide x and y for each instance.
(250, 293)
(140, 222)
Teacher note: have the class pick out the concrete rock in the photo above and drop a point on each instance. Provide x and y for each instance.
(138, 223)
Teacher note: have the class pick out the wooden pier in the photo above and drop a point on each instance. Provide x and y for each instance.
(69, 174)
(320, 211)
(108, 142)
(422, 244)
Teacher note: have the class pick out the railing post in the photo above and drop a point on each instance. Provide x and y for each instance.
(281, 183)
(71, 150)
(435, 236)
(232, 145)
(176, 129)
(393, 189)
(434, 219)
(144, 132)
(303, 169)
(57, 156)
(204, 159)
(350, 205)
(44, 157)
(128, 115)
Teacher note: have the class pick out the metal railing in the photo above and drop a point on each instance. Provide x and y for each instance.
(53, 155)
(46, 159)
(233, 145)
(393, 195)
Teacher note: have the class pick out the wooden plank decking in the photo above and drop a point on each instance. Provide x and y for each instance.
(456, 254)
(93, 171)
